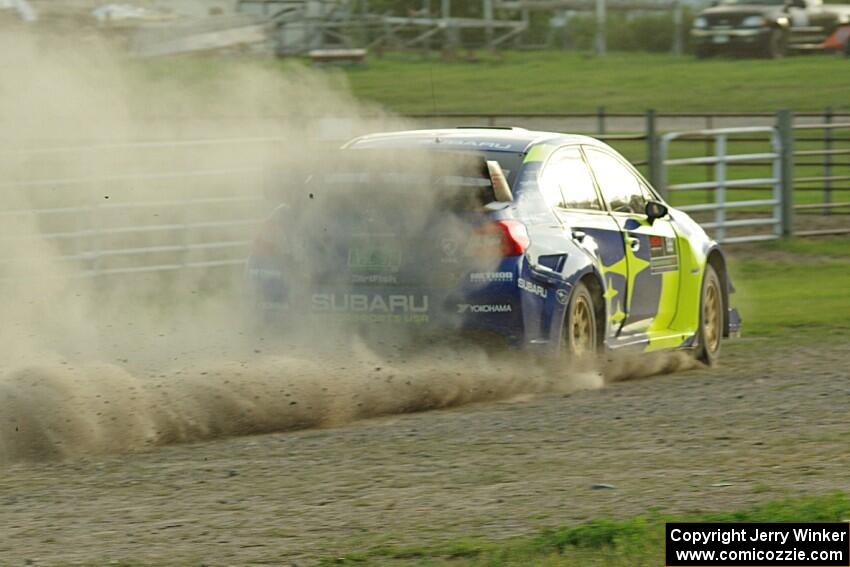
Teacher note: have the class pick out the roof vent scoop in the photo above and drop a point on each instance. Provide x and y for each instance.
(501, 189)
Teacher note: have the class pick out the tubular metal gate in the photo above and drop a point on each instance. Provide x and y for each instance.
(98, 218)
(168, 205)
(730, 213)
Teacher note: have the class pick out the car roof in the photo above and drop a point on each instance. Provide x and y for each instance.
(517, 140)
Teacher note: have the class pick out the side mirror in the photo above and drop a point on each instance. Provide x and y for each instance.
(655, 210)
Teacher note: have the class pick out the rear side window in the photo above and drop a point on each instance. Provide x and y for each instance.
(566, 182)
(620, 187)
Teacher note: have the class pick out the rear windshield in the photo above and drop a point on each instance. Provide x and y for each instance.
(436, 162)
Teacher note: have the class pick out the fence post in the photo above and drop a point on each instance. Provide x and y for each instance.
(785, 129)
(654, 161)
(487, 10)
(448, 32)
(677, 27)
(827, 160)
(720, 190)
(600, 120)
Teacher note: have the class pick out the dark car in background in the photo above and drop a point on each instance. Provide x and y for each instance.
(769, 28)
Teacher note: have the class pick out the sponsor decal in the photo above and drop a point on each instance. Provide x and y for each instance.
(532, 288)
(365, 303)
(473, 143)
(449, 248)
(374, 279)
(662, 255)
(378, 255)
(483, 308)
(562, 296)
(382, 318)
(489, 277)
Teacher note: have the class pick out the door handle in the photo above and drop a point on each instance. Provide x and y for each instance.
(579, 235)
(634, 243)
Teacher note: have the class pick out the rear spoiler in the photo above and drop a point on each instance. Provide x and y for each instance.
(501, 189)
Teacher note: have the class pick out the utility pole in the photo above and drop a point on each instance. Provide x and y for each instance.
(677, 27)
(601, 48)
(426, 13)
(445, 14)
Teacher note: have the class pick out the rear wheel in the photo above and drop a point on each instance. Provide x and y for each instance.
(712, 308)
(580, 336)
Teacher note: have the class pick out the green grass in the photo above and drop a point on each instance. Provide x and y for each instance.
(556, 81)
(800, 290)
(632, 542)
(563, 81)
(835, 247)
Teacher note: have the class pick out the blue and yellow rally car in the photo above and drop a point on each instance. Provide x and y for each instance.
(538, 240)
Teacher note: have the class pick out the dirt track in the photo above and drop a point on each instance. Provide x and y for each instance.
(771, 422)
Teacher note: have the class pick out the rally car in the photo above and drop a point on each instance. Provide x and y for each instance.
(539, 240)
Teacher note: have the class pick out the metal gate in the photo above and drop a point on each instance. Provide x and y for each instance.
(733, 206)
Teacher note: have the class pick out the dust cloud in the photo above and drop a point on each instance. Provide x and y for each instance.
(125, 361)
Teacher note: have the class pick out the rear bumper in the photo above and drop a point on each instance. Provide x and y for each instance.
(489, 301)
(513, 303)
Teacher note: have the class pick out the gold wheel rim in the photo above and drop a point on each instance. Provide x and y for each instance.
(582, 326)
(711, 317)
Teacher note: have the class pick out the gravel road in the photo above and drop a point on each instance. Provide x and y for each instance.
(771, 422)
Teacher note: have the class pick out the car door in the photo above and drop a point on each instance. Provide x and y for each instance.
(651, 263)
(569, 189)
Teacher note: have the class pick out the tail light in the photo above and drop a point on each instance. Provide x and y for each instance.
(500, 238)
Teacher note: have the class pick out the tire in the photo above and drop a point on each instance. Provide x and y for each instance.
(711, 310)
(580, 336)
(777, 45)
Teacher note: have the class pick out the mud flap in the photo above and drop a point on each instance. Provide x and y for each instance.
(734, 324)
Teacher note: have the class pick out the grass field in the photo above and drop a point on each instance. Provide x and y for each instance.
(632, 542)
(558, 81)
(571, 82)
(789, 291)
(564, 81)
(795, 300)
